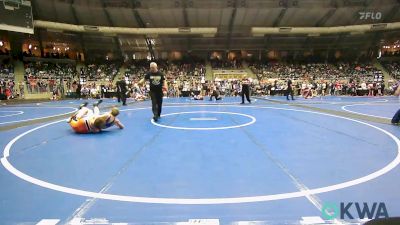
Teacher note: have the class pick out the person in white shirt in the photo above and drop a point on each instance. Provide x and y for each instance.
(363, 86)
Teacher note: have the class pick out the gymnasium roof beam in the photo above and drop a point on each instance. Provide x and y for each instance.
(39, 31)
(53, 4)
(379, 35)
(392, 13)
(278, 19)
(185, 14)
(139, 20)
(276, 23)
(230, 29)
(80, 35)
(328, 15)
(74, 12)
(186, 21)
(110, 22)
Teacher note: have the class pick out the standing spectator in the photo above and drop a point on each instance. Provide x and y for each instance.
(103, 90)
(78, 90)
(289, 90)
(11, 85)
(370, 89)
(21, 90)
(379, 88)
(246, 90)
(324, 87)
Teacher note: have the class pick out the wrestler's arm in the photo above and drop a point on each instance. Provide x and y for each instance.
(118, 124)
(96, 130)
(397, 92)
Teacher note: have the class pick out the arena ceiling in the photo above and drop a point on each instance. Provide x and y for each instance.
(233, 18)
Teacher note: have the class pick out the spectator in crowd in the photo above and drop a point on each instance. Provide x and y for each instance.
(245, 90)
(289, 90)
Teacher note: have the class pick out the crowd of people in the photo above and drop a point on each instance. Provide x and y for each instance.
(342, 71)
(187, 78)
(7, 80)
(182, 77)
(53, 55)
(320, 88)
(99, 72)
(218, 63)
(391, 53)
(333, 79)
(47, 77)
(393, 69)
(6, 70)
(93, 90)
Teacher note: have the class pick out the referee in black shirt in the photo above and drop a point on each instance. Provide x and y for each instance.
(122, 90)
(157, 85)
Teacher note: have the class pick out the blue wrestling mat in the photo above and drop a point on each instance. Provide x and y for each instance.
(203, 162)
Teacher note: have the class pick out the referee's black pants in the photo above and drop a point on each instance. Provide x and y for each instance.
(156, 102)
(289, 91)
(246, 92)
(122, 97)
